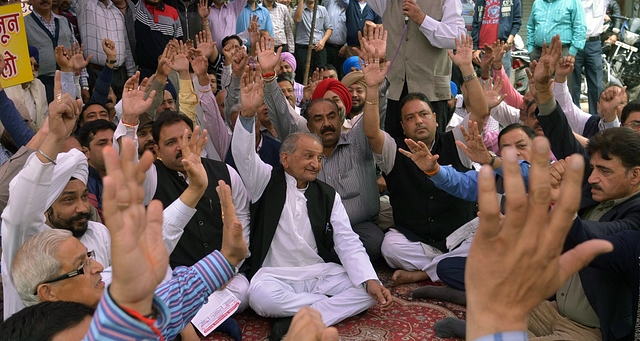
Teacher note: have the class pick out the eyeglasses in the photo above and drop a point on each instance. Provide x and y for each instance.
(70, 274)
(168, 101)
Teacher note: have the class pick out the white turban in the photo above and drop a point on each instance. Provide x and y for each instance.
(71, 164)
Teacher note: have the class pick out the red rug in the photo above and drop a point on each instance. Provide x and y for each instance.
(408, 319)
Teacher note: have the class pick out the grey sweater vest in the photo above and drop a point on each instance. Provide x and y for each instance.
(41, 38)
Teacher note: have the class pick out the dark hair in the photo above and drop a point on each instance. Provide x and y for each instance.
(527, 130)
(167, 118)
(412, 97)
(89, 130)
(286, 77)
(631, 107)
(316, 101)
(43, 321)
(621, 142)
(81, 118)
(328, 67)
(7, 141)
(227, 38)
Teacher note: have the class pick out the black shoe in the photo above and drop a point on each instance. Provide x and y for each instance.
(231, 327)
(279, 328)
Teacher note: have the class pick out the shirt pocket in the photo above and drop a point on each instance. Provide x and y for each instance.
(348, 183)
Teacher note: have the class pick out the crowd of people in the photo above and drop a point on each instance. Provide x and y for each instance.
(169, 150)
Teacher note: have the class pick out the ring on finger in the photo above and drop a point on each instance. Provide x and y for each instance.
(59, 98)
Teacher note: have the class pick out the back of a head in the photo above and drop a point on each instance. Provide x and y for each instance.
(43, 321)
(620, 142)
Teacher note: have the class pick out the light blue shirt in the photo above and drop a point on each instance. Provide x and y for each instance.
(551, 17)
(464, 185)
(337, 10)
(264, 19)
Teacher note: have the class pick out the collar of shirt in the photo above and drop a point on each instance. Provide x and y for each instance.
(291, 181)
(607, 205)
(53, 16)
(258, 7)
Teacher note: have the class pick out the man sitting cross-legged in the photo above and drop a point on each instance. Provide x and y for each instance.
(298, 221)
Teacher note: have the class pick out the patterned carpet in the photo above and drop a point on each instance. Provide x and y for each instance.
(408, 319)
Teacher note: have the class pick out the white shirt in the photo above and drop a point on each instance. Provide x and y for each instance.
(594, 11)
(293, 244)
(441, 33)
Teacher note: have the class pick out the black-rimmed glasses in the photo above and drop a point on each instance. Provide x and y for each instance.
(70, 274)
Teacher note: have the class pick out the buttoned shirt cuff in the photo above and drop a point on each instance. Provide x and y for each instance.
(84, 78)
(110, 320)
(505, 336)
(573, 51)
(606, 125)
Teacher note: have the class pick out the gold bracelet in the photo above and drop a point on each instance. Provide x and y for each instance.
(434, 172)
(371, 103)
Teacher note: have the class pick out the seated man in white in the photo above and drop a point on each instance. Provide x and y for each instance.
(298, 221)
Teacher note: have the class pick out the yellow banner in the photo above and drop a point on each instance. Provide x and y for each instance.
(13, 47)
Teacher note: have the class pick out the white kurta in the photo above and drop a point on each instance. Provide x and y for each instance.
(293, 275)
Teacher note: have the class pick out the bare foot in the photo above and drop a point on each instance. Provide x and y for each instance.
(404, 276)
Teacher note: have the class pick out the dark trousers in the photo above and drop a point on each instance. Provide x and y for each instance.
(392, 122)
(318, 59)
(334, 59)
(117, 81)
(451, 271)
(590, 58)
(48, 82)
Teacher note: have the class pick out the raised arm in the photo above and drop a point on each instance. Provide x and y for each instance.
(103, 83)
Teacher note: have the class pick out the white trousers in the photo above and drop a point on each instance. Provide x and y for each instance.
(401, 253)
(239, 286)
(272, 295)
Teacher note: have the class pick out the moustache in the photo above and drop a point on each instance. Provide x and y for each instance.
(178, 155)
(595, 186)
(109, 100)
(79, 217)
(326, 129)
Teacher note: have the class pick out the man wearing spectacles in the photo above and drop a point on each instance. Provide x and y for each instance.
(631, 115)
(168, 103)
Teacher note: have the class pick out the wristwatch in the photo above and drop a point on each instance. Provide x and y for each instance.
(111, 61)
(493, 158)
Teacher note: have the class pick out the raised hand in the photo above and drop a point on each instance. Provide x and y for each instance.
(234, 247)
(612, 101)
(205, 43)
(564, 68)
(239, 62)
(492, 88)
(266, 57)
(63, 112)
(548, 60)
(516, 263)
(475, 149)
(228, 52)
(499, 49)
(109, 48)
(200, 64)
(136, 232)
(63, 58)
(375, 39)
(180, 62)
(77, 61)
(374, 72)
(203, 10)
(464, 50)
(485, 61)
(134, 102)
(251, 91)
(164, 61)
(192, 160)
(420, 154)
(313, 82)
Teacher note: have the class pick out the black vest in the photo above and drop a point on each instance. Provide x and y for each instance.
(421, 211)
(265, 215)
(203, 233)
